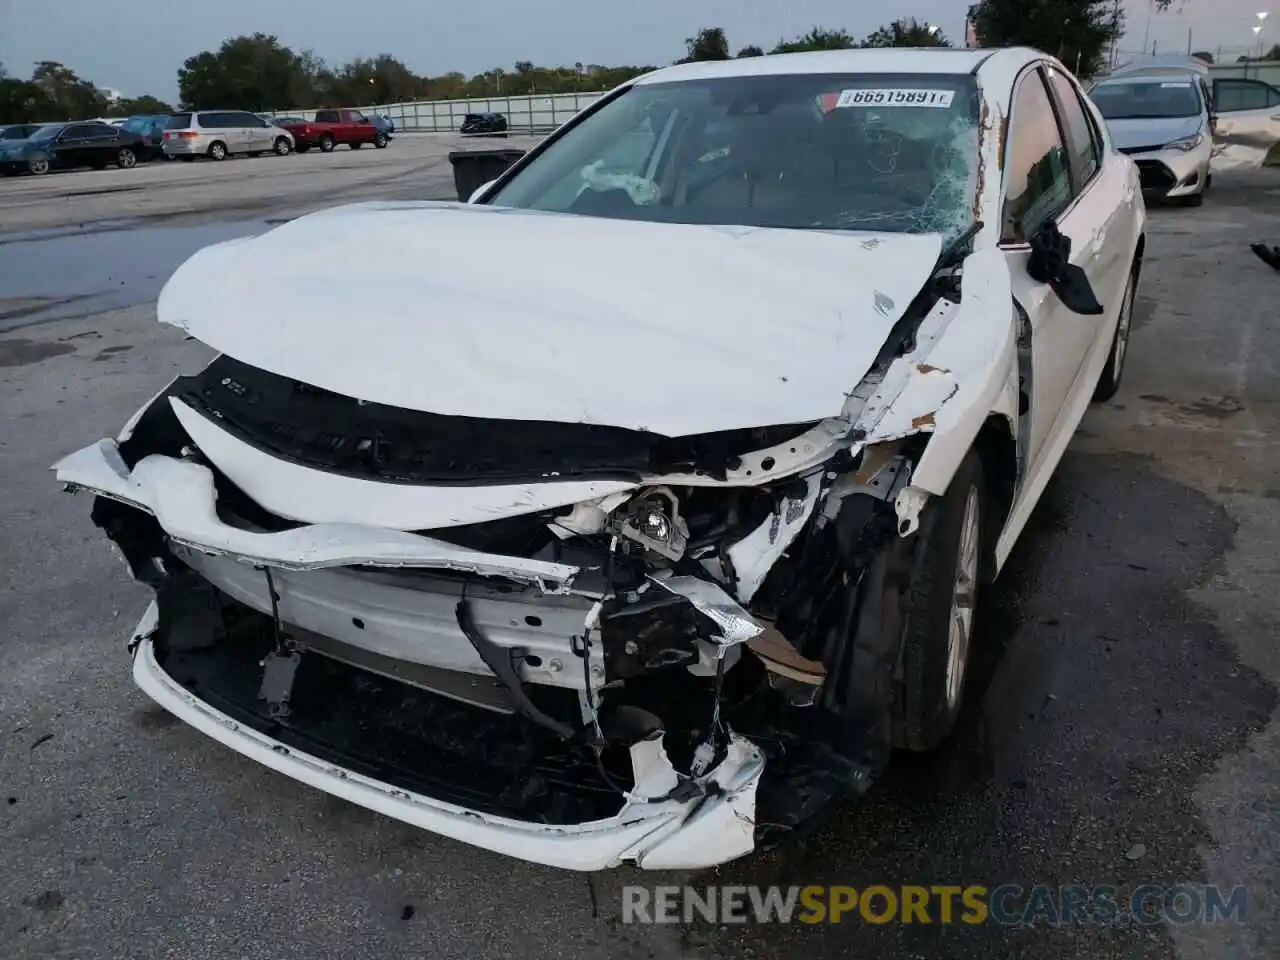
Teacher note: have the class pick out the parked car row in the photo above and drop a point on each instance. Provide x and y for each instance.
(65, 145)
(38, 148)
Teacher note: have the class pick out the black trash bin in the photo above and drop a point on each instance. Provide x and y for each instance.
(475, 168)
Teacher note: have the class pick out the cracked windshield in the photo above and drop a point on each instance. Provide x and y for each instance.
(844, 152)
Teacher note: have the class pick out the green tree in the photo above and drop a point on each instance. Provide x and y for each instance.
(907, 33)
(134, 106)
(1077, 32)
(247, 73)
(21, 101)
(72, 97)
(709, 43)
(750, 51)
(373, 80)
(816, 39)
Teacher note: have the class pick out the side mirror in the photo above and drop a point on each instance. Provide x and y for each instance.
(478, 193)
(1050, 262)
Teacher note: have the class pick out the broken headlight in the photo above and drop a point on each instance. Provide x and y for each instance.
(653, 520)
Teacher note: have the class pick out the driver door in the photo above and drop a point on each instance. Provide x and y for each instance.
(72, 148)
(1052, 175)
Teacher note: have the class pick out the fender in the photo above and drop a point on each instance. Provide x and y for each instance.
(952, 387)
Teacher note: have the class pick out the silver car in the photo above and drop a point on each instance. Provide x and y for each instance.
(217, 134)
(1163, 121)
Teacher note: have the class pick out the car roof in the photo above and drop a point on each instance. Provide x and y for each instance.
(939, 60)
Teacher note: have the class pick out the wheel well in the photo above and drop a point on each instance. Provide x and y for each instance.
(998, 451)
(218, 143)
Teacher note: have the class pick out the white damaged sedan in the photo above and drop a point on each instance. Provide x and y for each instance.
(652, 546)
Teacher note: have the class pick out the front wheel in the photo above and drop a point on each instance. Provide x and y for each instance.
(939, 612)
(380, 141)
(282, 146)
(38, 165)
(326, 144)
(126, 159)
(1109, 380)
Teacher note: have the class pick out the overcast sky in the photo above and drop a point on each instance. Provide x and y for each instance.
(136, 46)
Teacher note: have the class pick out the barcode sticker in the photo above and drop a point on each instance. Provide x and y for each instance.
(896, 97)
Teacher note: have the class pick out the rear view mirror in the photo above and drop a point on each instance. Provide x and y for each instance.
(1050, 262)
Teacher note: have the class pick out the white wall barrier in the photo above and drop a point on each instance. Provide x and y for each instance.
(533, 113)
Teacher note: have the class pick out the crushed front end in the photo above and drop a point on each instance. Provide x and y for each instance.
(577, 645)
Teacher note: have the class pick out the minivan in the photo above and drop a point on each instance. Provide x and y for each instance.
(217, 134)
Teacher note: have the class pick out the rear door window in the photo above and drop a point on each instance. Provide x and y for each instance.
(1232, 95)
(179, 121)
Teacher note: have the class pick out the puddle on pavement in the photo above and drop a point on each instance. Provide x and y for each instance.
(55, 274)
(18, 351)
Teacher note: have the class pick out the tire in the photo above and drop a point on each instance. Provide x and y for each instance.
(126, 159)
(38, 165)
(217, 150)
(1109, 380)
(326, 144)
(380, 140)
(282, 147)
(940, 607)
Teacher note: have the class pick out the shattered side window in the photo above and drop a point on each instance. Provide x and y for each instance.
(895, 153)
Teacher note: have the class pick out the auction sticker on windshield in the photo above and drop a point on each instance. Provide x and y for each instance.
(908, 97)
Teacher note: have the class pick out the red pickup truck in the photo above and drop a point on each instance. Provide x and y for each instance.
(332, 127)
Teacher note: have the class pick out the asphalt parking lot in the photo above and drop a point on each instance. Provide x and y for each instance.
(1123, 729)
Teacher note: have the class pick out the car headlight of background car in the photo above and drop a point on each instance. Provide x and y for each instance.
(1186, 144)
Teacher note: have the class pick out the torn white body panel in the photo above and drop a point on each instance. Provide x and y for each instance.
(315, 496)
(754, 555)
(181, 496)
(662, 834)
(967, 373)
(791, 322)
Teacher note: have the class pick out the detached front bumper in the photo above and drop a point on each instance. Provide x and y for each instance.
(669, 834)
(362, 723)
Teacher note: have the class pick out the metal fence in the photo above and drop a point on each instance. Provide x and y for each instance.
(525, 114)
